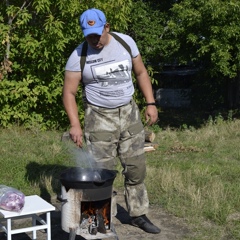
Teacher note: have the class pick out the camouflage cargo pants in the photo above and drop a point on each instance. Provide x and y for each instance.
(118, 132)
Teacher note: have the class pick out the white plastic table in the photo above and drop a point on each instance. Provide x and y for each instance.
(33, 206)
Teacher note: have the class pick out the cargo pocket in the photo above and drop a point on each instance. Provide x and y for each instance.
(135, 129)
(103, 148)
(100, 137)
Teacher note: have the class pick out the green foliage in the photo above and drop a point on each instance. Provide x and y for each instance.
(37, 38)
(23, 99)
(218, 118)
(203, 34)
(117, 16)
(206, 34)
(146, 28)
(148, 41)
(155, 128)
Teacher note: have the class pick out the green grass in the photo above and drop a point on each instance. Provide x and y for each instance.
(193, 174)
(196, 173)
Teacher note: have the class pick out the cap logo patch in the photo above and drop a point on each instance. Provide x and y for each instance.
(91, 23)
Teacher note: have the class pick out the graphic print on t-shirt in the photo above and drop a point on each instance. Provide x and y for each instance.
(112, 74)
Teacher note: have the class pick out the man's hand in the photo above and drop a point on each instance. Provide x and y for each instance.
(151, 114)
(76, 135)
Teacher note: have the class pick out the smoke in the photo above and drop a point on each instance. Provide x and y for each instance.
(82, 158)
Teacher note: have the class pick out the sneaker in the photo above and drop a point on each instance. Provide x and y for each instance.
(145, 224)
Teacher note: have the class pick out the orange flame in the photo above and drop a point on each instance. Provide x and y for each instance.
(89, 209)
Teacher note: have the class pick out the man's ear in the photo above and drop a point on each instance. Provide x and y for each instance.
(107, 27)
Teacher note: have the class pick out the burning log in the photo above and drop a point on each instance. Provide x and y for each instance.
(94, 218)
(101, 226)
(93, 225)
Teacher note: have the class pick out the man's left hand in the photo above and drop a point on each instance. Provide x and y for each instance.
(151, 114)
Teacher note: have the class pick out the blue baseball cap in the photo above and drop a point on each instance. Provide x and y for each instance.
(92, 21)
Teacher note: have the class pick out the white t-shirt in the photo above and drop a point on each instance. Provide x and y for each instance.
(107, 72)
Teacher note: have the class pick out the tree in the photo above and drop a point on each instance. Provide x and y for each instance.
(37, 37)
(145, 28)
(206, 33)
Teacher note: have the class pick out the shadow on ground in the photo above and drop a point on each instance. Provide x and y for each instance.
(38, 173)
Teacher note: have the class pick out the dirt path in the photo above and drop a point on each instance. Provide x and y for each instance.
(172, 228)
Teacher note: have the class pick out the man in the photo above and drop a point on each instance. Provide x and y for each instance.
(112, 123)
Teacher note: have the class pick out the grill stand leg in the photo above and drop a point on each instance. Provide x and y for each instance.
(113, 229)
(72, 234)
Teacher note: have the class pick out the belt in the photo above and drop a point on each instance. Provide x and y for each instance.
(94, 105)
